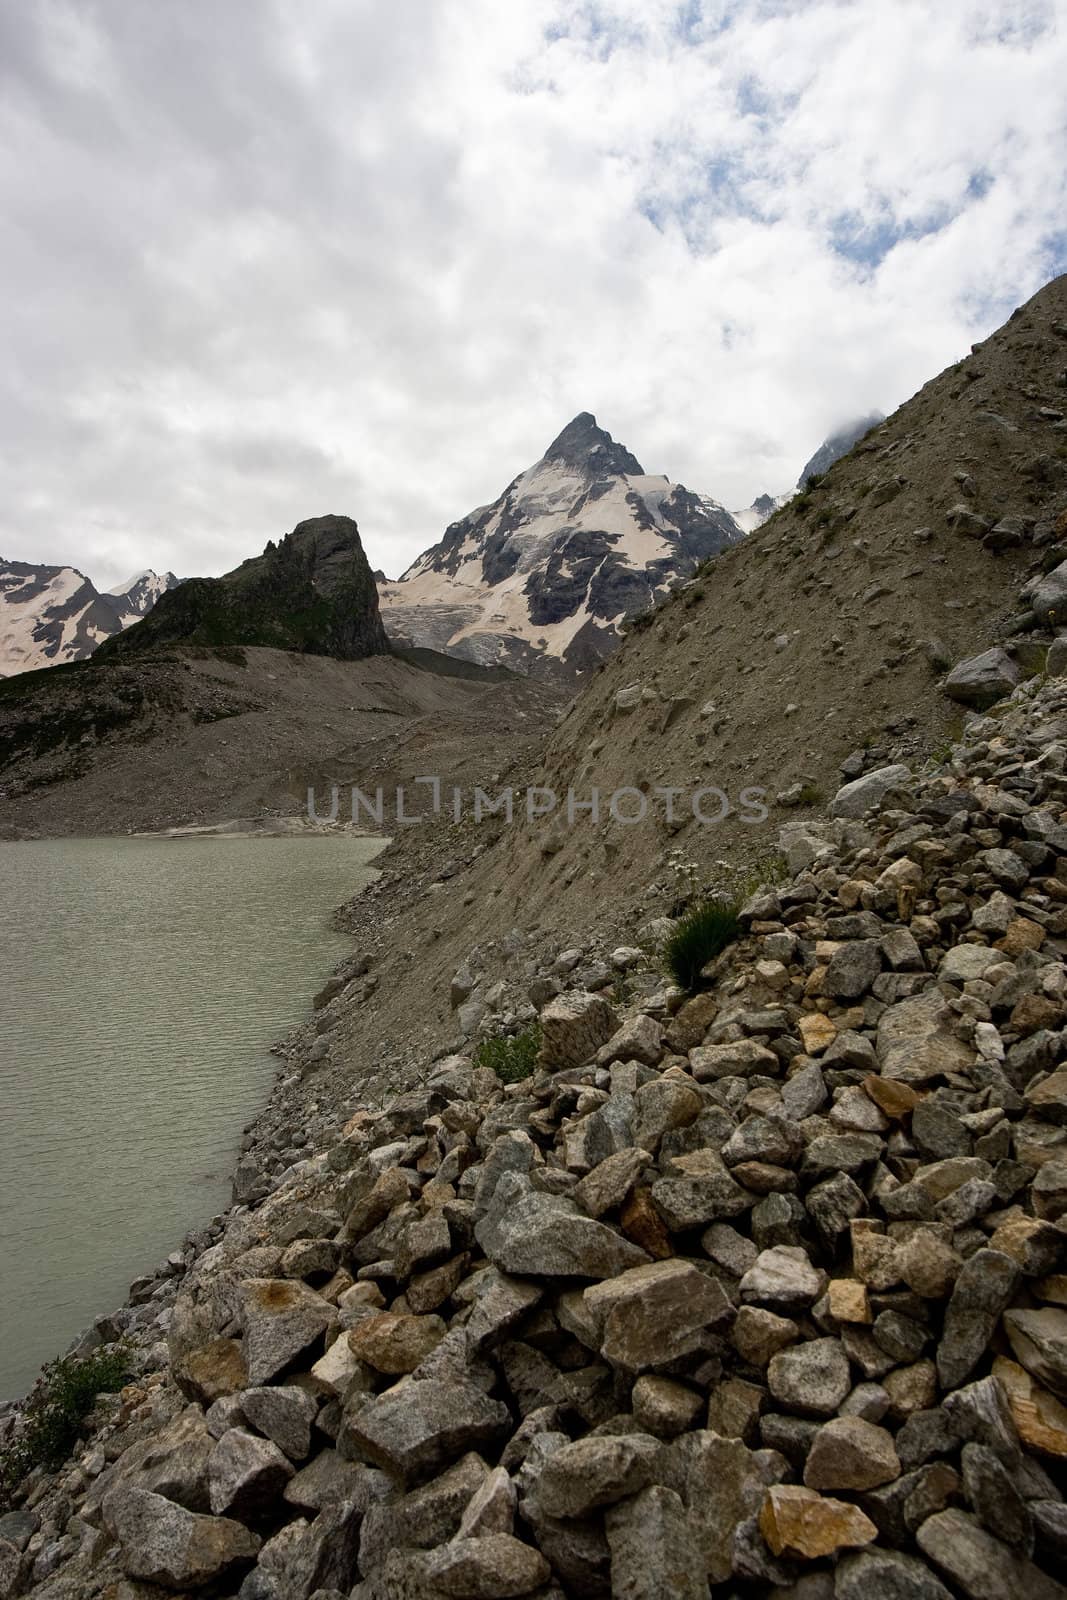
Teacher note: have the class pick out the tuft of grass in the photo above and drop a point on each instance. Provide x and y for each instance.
(512, 1057)
(824, 516)
(801, 502)
(51, 1420)
(811, 795)
(813, 480)
(701, 935)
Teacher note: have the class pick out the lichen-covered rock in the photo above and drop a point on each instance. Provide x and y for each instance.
(650, 1316)
(163, 1543)
(595, 1472)
(542, 1235)
(282, 1320)
(418, 1426)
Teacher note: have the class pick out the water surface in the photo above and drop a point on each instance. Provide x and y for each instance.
(142, 982)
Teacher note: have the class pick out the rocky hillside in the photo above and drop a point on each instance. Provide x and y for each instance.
(756, 1292)
(545, 576)
(311, 592)
(52, 615)
(832, 449)
(923, 576)
(837, 445)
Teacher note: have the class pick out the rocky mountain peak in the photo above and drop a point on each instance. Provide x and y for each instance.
(591, 450)
(311, 592)
(545, 577)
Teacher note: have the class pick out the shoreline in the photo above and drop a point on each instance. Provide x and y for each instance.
(290, 1072)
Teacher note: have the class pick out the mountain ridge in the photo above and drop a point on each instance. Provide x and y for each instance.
(51, 615)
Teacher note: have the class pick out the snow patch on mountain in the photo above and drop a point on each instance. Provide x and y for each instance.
(549, 572)
(51, 615)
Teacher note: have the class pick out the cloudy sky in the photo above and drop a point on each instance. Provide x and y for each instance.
(269, 258)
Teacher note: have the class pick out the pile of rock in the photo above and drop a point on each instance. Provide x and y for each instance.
(760, 1292)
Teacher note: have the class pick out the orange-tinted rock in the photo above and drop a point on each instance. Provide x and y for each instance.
(1040, 1418)
(643, 1225)
(798, 1522)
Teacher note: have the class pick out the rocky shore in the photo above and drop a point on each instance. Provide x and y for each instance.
(758, 1292)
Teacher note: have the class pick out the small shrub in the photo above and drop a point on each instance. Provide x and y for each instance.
(813, 480)
(512, 1057)
(810, 795)
(702, 934)
(765, 873)
(638, 623)
(801, 502)
(824, 516)
(694, 595)
(62, 1398)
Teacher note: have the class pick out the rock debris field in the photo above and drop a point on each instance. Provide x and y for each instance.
(757, 1292)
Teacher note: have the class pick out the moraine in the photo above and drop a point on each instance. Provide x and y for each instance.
(144, 981)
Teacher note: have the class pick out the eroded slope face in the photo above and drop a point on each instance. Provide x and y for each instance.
(546, 575)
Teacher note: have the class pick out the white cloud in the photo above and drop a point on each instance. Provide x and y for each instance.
(269, 259)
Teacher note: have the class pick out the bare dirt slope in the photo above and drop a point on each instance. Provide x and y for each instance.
(201, 737)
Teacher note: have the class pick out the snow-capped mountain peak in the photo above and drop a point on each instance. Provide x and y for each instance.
(548, 572)
(50, 615)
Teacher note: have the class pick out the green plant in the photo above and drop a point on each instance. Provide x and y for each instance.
(701, 935)
(810, 795)
(801, 502)
(764, 873)
(813, 480)
(512, 1057)
(57, 1405)
(824, 516)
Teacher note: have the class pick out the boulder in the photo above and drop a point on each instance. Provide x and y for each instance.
(541, 1235)
(246, 1475)
(394, 1344)
(858, 797)
(653, 1315)
(983, 679)
(418, 1426)
(811, 1378)
(985, 1286)
(980, 1565)
(850, 1453)
(282, 1319)
(1048, 597)
(798, 1522)
(915, 1042)
(654, 1550)
(573, 1028)
(163, 1543)
(595, 1472)
(495, 1566)
(284, 1414)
